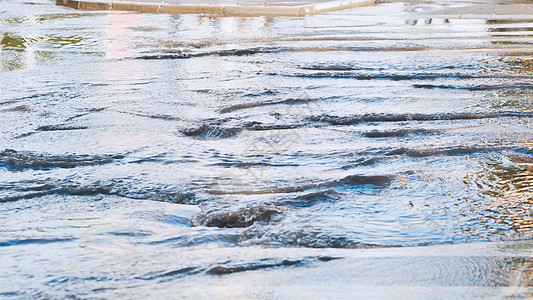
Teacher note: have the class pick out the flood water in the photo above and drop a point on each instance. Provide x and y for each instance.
(200, 156)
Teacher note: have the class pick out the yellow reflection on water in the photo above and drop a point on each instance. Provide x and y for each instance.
(511, 195)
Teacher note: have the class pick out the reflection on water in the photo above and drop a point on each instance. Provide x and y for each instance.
(142, 152)
(510, 31)
(508, 195)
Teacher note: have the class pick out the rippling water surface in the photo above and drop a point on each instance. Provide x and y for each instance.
(154, 154)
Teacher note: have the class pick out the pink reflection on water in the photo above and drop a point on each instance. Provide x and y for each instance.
(119, 31)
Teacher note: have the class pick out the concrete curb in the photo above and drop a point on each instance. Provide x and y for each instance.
(223, 10)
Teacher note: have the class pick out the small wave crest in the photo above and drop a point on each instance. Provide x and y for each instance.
(299, 237)
(482, 87)
(288, 101)
(393, 153)
(211, 131)
(166, 275)
(376, 181)
(342, 74)
(450, 151)
(223, 270)
(230, 52)
(238, 219)
(406, 117)
(61, 127)
(311, 199)
(30, 241)
(397, 133)
(124, 188)
(23, 160)
(231, 267)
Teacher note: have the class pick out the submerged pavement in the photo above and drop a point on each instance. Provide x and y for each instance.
(378, 152)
